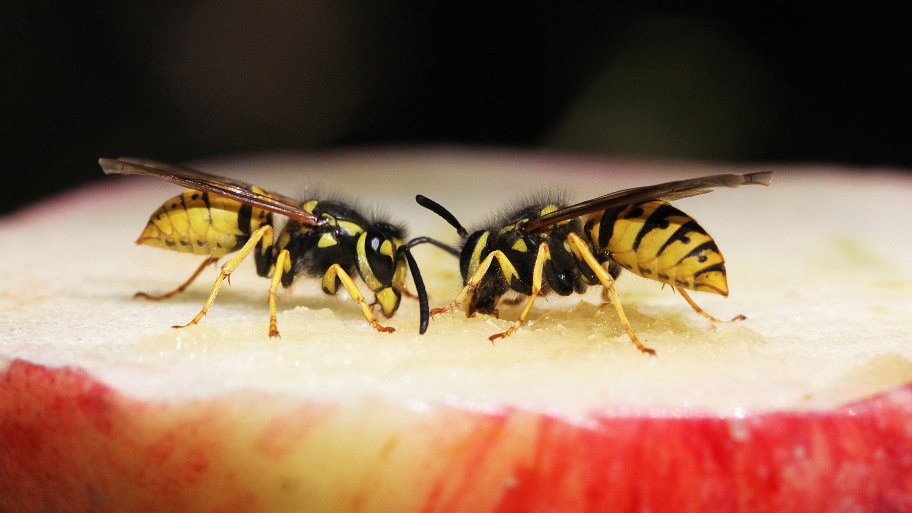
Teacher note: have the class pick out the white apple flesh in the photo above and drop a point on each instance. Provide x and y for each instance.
(805, 406)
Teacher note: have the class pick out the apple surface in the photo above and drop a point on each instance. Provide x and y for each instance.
(804, 406)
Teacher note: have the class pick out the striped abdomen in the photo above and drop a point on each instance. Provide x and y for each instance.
(657, 241)
(203, 224)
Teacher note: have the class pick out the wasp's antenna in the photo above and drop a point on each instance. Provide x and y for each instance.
(427, 240)
(423, 306)
(438, 209)
(424, 314)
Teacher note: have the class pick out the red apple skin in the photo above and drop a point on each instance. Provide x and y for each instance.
(71, 443)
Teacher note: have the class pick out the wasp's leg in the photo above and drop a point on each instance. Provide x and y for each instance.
(703, 313)
(282, 266)
(582, 251)
(544, 254)
(329, 287)
(509, 272)
(183, 287)
(228, 268)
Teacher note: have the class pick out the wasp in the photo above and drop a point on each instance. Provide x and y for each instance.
(325, 239)
(544, 246)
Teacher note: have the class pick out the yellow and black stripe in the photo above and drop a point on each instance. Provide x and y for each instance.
(201, 223)
(657, 241)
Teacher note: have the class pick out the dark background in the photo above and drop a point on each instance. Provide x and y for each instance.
(185, 80)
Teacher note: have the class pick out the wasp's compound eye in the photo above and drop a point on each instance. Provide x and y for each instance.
(379, 252)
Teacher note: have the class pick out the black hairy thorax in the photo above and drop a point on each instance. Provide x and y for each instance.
(563, 273)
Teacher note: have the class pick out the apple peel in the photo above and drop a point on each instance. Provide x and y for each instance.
(78, 445)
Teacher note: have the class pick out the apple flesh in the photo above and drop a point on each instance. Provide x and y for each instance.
(806, 406)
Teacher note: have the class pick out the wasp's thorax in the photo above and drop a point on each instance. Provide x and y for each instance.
(562, 273)
(352, 242)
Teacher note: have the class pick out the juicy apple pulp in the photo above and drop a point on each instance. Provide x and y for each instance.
(806, 406)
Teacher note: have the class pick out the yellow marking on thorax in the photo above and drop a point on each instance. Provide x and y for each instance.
(548, 209)
(327, 240)
(350, 227)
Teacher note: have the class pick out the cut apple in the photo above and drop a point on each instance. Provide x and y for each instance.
(805, 406)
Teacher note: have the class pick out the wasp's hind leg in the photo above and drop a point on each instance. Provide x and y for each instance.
(329, 287)
(583, 252)
(228, 268)
(183, 287)
(702, 312)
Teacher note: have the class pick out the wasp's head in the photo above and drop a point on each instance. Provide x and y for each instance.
(381, 265)
(474, 250)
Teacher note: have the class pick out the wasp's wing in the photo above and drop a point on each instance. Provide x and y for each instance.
(198, 180)
(668, 191)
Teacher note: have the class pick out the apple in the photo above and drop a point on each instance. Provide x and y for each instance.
(805, 406)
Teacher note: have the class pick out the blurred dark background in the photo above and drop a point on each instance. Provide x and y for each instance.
(185, 80)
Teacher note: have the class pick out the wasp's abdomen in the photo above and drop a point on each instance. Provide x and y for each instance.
(202, 223)
(657, 241)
